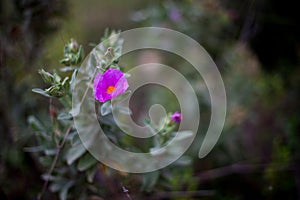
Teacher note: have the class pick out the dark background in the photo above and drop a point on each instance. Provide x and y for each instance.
(254, 43)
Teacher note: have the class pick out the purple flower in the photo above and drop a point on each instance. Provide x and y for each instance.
(109, 85)
(175, 15)
(176, 117)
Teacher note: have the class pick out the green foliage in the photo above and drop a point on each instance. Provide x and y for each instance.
(59, 148)
(149, 181)
(261, 128)
(263, 117)
(73, 171)
(73, 53)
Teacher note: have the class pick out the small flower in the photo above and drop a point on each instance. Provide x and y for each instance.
(175, 15)
(176, 117)
(109, 85)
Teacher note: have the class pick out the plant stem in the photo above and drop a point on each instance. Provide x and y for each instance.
(58, 147)
(126, 192)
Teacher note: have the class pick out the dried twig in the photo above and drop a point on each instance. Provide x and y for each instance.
(58, 149)
(126, 192)
(234, 169)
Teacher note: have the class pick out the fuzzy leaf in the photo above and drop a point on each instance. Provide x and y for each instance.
(50, 152)
(68, 68)
(36, 125)
(149, 181)
(73, 78)
(40, 91)
(33, 149)
(64, 116)
(91, 174)
(183, 135)
(64, 191)
(86, 161)
(75, 110)
(106, 108)
(183, 161)
(74, 153)
(47, 77)
(124, 110)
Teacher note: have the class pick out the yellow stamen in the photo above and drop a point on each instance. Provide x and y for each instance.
(110, 89)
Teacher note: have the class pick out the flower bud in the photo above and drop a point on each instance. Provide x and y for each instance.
(176, 117)
(73, 46)
(55, 91)
(46, 76)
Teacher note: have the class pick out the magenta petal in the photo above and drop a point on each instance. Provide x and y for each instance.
(177, 117)
(112, 77)
(121, 86)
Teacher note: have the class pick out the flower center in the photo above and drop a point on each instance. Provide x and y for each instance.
(110, 89)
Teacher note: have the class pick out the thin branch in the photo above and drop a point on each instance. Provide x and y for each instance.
(234, 169)
(126, 192)
(88, 87)
(92, 78)
(59, 147)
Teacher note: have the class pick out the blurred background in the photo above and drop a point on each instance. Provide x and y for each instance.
(255, 45)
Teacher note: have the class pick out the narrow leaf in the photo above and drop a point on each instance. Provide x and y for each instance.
(86, 161)
(149, 181)
(91, 174)
(106, 108)
(64, 116)
(64, 191)
(40, 91)
(74, 153)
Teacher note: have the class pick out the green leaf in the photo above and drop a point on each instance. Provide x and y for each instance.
(64, 116)
(75, 110)
(106, 108)
(64, 191)
(55, 90)
(46, 160)
(74, 153)
(47, 77)
(50, 152)
(86, 161)
(91, 173)
(149, 181)
(183, 161)
(65, 83)
(56, 78)
(73, 78)
(67, 69)
(36, 125)
(47, 177)
(57, 185)
(127, 75)
(75, 140)
(40, 91)
(65, 61)
(33, 149)
(79, 55)
(182, 135)
(123, 110)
